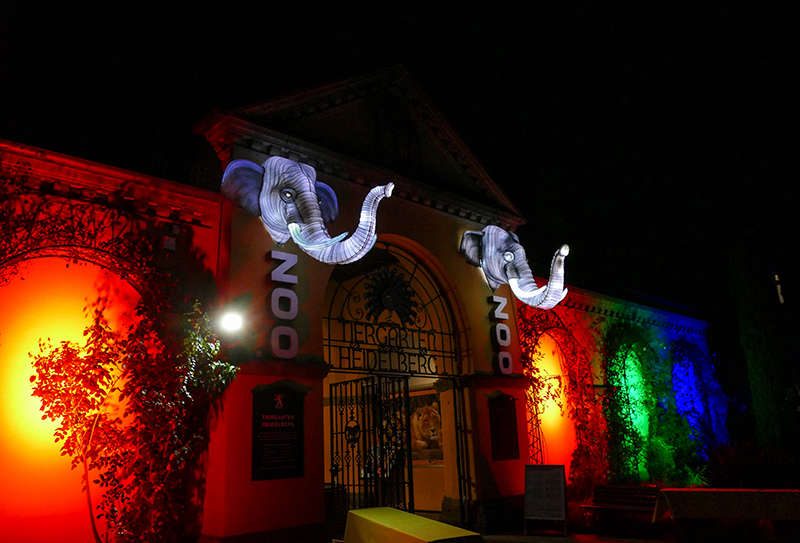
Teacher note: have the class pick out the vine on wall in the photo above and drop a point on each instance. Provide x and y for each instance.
(133, 410)
(650, 439)
(133, 406)
(588, 466)
(42, 219)
(655, 414)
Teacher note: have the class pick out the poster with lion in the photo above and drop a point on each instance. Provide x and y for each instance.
(426, 427)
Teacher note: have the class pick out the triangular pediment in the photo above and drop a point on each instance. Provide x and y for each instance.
(383, 119)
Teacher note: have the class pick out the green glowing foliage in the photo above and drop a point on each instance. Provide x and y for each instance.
(650, 438)
(633, 398)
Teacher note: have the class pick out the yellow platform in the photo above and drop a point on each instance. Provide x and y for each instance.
(389, 525)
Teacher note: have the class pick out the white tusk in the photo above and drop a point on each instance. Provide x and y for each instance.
(542, 297)
(521, 293)
(297, 235)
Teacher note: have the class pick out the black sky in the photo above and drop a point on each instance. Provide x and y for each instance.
(653, 140)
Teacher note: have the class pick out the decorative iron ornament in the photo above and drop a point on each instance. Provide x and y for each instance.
(387, 290)
(502, 258)
(372, 466)
(291, 202)
(352, 432)
(394, 320)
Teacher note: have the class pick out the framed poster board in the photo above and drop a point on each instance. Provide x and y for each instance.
(278, 431)
(503, 427)
(426, 427)
(545, 493)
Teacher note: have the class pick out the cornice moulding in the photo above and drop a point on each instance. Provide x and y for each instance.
(82, 179)
(224, 132)
(615, 308)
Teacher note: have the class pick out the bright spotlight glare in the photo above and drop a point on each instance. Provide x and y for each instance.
(231, 322)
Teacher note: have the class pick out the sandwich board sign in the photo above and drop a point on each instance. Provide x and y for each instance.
(545, 494)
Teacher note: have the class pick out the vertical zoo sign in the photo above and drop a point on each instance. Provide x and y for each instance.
(284, 306)
(501, 335)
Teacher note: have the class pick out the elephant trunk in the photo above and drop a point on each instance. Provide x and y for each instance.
(523, 285)
(312, 237)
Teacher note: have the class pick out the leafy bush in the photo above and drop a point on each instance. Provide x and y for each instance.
(133, 409)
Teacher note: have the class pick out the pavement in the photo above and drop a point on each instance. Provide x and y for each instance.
(694, 533)
(569, 538)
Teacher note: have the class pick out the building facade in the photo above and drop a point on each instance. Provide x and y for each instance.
(401, 378)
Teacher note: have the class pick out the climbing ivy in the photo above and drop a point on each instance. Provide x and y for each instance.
(133, 410)
(132, 406)
(649, 411)
(589, 465)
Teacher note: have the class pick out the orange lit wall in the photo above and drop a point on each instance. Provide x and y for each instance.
(558, 430)
(40, 497)
(498, 478)
(237, 504)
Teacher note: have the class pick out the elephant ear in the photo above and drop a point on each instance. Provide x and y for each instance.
(471, 246)
(241, 183)
(328, 203)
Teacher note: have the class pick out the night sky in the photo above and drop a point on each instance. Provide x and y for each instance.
(653, 141)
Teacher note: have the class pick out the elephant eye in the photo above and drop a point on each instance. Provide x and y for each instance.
(508, 256)
(287, 195)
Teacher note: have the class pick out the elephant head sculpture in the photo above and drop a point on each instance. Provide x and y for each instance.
(290, 202)
(502, 258)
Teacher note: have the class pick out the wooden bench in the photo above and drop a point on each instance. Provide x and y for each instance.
(731, 514)
(633, 502)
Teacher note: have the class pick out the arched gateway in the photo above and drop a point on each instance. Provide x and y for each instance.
(395, 406)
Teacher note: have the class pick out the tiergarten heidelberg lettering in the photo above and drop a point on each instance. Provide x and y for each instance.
(387, 347)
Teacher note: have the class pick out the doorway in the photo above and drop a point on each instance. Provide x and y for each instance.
(394, 411)
(370, 442)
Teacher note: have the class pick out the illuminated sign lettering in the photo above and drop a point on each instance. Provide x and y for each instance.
(284, 305)
(501, 335)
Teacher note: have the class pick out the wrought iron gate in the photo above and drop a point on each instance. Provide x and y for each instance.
(370, 443)
(462, 453)
(388, 320)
